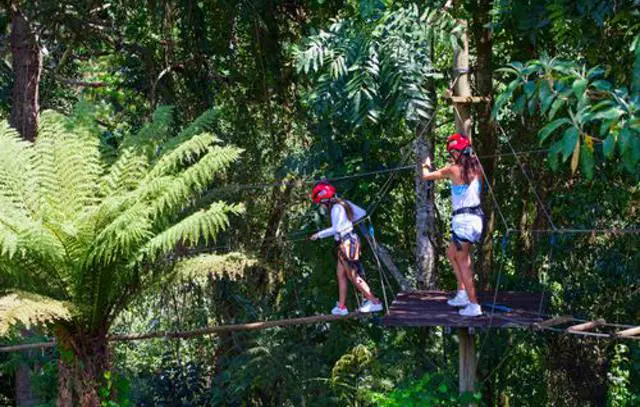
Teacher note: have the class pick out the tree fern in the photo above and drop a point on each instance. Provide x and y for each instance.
(77, 228)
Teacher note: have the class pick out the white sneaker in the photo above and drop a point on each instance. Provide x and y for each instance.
(471, 310)
(339, 311)
(370, 306)
(460, 300)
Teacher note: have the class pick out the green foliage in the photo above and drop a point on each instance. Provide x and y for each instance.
(581, 107)
(377, 65)
(620, 394)
(79, 230)
(430, 390)
(114, 383)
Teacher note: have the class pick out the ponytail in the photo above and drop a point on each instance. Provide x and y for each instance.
(470, 166)
(347, 208)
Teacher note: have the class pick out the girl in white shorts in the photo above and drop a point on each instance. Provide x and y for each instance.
(467, 219)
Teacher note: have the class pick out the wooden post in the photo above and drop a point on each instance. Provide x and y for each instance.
(462, 89)
(468, 361)
(461, 109)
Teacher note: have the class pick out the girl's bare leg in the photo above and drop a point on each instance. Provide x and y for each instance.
(466, 271)
(341, 275)
(353, 275)
(360, 284)
(451, 255)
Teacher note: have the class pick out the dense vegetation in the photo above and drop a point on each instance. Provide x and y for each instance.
(141, 150)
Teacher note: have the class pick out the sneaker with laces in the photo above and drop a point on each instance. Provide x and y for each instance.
(339, 311)
(460, 300)
(471, 310)
(370, 306)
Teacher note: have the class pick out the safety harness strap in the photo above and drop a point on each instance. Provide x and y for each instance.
(473, 210)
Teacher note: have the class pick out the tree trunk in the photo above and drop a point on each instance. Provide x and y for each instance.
(280, 201)
(425, 212)
(81, 368)
(24, 390)
(27, 68)
(486, 141)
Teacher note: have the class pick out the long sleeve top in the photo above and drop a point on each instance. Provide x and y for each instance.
(340, 223)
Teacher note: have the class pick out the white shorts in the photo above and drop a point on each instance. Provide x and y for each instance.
(467, 227)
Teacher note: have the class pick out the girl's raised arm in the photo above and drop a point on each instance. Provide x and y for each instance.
(429, 175)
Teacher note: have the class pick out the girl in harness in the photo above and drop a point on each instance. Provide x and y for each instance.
(467, 220)
(343, 214)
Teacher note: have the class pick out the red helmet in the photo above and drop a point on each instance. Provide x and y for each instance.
(323, 190)
(458, 142)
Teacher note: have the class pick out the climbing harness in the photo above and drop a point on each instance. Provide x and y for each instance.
(348, 248)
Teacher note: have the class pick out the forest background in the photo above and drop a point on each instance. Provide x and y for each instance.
(198, 109)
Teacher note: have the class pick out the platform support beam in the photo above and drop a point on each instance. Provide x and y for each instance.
(468, 361)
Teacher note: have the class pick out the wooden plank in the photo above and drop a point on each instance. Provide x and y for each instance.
(628, 333)
(586, 326)
(552, 322)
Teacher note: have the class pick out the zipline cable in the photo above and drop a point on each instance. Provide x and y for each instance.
(524, 172)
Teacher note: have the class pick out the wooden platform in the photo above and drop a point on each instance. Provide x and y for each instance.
(429, 308)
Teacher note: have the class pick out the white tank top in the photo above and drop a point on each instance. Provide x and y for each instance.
(466, 195)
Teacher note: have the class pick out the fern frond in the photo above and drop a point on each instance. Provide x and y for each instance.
(196, 178)
(123, 235)
(65, 162)
(205, 123)
(202, 225)
(214, 266)
(31, 309)
(16, 193)
(152, 135)
(125, 174)
(184, 154)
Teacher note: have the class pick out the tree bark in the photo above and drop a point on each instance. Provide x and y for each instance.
(425, 211)
(27, 68)
(280, 201)
(81, 368)
(486, 141)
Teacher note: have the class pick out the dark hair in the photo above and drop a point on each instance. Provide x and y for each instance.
(470, 166)
(347, 208)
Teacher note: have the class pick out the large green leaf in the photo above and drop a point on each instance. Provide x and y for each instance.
(547, 130)
(609, 114)
(552, 155)
(579, 86)
(555, 107)
(623, 139)
(569, 140)
(609, 145)
(587, 162)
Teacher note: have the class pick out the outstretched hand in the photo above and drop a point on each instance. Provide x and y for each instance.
(314, 237)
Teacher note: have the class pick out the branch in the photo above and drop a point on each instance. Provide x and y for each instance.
(81, 84)
(162, 74)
